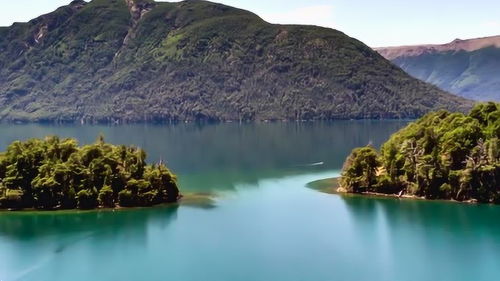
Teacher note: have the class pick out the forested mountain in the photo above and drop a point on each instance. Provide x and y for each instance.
(468, 68)
(140, 60)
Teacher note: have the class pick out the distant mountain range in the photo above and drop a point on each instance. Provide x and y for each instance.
(469, 68)
(140, 60)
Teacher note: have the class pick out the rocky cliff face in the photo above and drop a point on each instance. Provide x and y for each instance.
(125, 60)
(465, 67)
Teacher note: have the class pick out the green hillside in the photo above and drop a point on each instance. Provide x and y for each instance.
(138, 60)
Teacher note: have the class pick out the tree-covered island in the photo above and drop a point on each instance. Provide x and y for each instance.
(59, 174)
(440, 156)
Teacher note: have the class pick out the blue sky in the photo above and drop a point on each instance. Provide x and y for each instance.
(377, 23)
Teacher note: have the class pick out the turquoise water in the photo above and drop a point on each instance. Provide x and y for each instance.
(265, 224)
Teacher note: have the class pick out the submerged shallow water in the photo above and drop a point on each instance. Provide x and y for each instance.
(265, 224)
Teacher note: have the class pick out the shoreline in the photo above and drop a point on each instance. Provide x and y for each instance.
(411, 197)
(197, 122)
(331, 186)
(201, 200)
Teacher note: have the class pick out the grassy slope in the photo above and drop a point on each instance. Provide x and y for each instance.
(196, 60)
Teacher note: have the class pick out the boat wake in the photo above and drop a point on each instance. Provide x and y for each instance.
(314, 164)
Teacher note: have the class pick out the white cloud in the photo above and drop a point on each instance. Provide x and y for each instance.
(321, 15)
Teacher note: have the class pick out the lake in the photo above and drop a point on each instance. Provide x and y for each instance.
(263, 224)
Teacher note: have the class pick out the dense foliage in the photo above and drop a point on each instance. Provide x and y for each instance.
(138, 60)
(442, 155)
(58, 174)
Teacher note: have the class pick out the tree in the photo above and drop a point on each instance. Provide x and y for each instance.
(360, 169)
(87, 198)
(106, 197)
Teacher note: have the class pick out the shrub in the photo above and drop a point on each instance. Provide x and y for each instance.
(106, 197)
(87, 199)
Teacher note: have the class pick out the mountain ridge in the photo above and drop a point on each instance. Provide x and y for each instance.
(467, 68)
(468, 45)
(122, 60)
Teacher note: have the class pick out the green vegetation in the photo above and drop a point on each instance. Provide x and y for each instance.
(105, 61)
(58, 174)
(441, 156)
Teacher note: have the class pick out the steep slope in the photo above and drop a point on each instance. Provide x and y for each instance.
(138, 60)
(468, 68)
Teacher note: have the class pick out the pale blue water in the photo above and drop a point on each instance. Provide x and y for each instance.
(265, 223)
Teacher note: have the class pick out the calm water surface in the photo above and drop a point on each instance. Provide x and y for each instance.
(265, 224)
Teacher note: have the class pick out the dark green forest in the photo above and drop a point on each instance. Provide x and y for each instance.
(441, 156)
(140, 60)
(58, 174)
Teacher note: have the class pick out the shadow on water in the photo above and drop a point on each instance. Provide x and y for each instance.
(431, 224)
(438, 240)
(425, 217)
(56, 235)
(219, 156)
(228, 180)
(81, 225)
